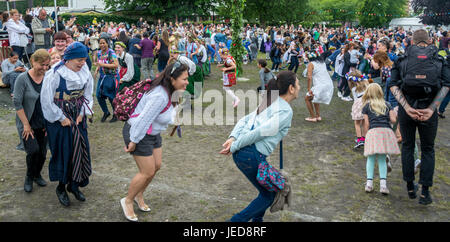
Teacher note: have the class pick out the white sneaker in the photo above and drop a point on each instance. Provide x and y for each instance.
(383, 187)
(347, 99)
(417, 165)
(369, 186)
(339, 93)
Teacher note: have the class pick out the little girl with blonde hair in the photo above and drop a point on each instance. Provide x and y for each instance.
(380, 139)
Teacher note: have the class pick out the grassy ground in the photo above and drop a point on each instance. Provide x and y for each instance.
(197, 184)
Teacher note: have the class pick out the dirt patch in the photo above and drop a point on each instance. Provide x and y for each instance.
(195, 183)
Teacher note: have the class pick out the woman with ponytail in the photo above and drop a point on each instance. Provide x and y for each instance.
(265, 74)
(141, 133)
(256, 135)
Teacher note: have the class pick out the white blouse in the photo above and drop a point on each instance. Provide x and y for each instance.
(148, 112)
(74, 81)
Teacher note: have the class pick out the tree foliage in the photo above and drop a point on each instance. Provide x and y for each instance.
(376, 13)
(237, 50)
(434, 12)
(163, 9)
(267, 12)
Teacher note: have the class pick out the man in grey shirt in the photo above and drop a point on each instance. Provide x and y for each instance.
(42, 31)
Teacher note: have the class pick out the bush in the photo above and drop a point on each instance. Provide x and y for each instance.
(86, 18)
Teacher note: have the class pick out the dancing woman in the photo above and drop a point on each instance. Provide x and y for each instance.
(66, 99)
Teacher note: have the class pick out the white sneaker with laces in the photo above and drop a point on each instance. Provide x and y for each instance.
(347, 99)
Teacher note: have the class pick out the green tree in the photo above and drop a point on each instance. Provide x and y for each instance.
(435, 12)
(237, 49)
(376, 13)
(163, 9)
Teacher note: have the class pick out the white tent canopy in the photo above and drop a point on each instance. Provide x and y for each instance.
(406, 23)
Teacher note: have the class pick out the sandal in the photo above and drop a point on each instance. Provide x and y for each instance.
(412, 194)
(314, 120)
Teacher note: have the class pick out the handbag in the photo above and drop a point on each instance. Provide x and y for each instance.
(268, 176)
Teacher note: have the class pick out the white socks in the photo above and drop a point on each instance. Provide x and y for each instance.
(231, 93)
(383, 183)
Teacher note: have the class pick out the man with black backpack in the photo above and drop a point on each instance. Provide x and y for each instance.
(420, 80)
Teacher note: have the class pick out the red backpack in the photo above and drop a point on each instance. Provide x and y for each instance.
(127, 100)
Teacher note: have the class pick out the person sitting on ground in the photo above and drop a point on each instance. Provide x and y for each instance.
(11, 69)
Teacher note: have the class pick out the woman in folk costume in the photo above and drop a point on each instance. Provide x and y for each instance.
(66, 99)
(129, 72)
(108, 83)
(192, 68)
(193, 55)
(229, 74)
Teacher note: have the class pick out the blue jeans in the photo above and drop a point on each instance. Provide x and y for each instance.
(247, 160)
(276, 63)
(102, 102)
(211, 53)
(444, 103)
(294, 64)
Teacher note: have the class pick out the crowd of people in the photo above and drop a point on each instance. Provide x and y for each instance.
(52, 86)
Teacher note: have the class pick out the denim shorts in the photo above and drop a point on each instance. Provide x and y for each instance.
(145, 146)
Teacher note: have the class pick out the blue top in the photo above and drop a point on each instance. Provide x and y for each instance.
(133, 49)
(269, 127)
(219, 37)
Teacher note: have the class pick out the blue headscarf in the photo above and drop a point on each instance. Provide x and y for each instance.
(75, 50)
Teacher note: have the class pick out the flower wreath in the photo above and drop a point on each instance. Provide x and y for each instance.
(312, 54)
(356, 78)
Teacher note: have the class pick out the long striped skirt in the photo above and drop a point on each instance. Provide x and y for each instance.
(69, 146)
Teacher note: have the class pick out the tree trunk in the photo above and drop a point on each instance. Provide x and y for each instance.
(30, 3)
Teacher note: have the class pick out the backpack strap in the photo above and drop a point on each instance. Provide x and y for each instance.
(281, 154)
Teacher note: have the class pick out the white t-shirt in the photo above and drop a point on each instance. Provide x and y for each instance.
(205, 55)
